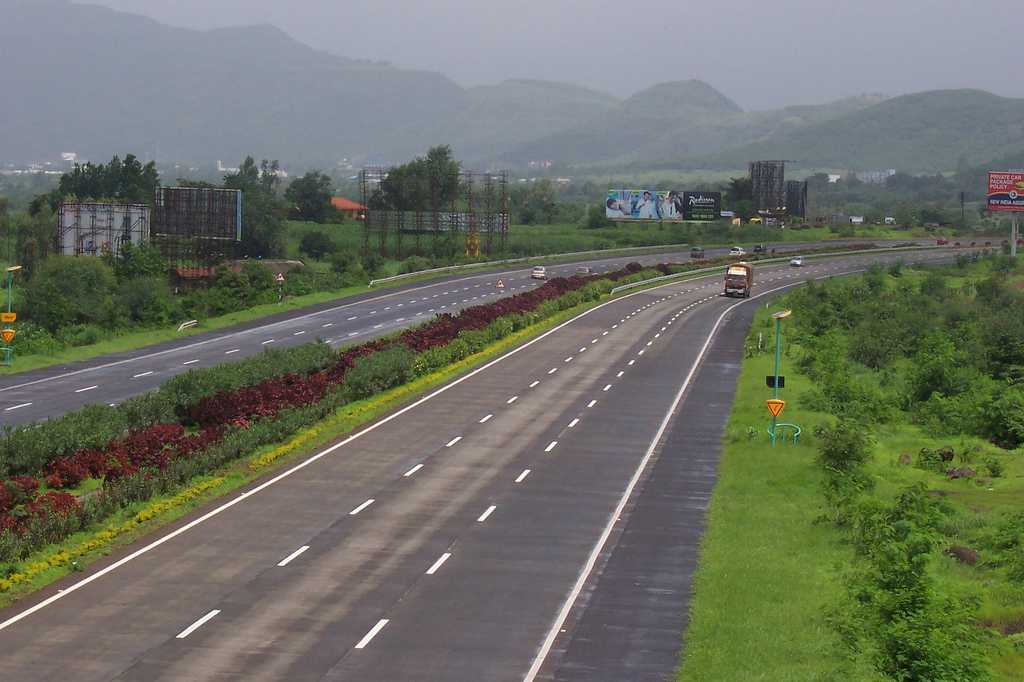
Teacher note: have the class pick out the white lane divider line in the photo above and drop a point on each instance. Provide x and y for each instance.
(294, 555)
(87, 388)
(361, 507)
(196, 625)
(535, 382)
(592, 403)
(593, 341)
(574, 422)
(512, 400)
(606, 387)
(351, 318)
(233, 350)
(374, 631)
(522, 477)
(483, 517)
(604, 333)
(299, 333)
(615, 326)
(16, 407)
(373, 312)
(263, 343)
(650, 343)
(401, 319)
(141, 374)
(412, 471)
(552, 370)
(583, 350)
(619, 375)
(453, 441)
(437, 564)
(377, 326)
(353, 333)
(486, 419)
(569, 359)
(190, 362)
(551, 446)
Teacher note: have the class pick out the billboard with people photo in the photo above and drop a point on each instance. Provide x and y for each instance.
(670, 205)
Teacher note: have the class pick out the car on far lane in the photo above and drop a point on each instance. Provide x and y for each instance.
(796, 261)
(737, 251)
(760, 248)
(584, 270)
(539, 272)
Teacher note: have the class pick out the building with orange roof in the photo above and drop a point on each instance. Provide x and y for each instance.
(349, 210)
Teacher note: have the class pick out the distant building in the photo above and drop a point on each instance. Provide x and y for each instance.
(876, 177)
(349, 210)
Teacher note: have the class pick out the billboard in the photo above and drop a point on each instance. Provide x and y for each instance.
(1006, 191)
(198, 213)
(704, 206)
(670, 205)
(92, 228)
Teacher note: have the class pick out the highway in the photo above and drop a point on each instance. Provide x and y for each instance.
(538, 518)
(41, 394)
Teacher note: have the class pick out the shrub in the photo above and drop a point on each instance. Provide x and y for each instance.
(415, 264)
(842, 447)
(67, 290)
(378, 372)
(146, 300)
(994, 466)
(316, 244)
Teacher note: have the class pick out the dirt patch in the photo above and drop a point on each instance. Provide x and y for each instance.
(1009, 625)
(964, 555)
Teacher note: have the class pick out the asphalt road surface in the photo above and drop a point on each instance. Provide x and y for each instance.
(535, 519)
(40, 394)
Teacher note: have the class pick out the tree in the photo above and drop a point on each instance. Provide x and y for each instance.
(311, 196)
(740, 189)
(262, 212)
(129, 181)
(33, 235)
(134, 262)
(535, 203)
(421, 184)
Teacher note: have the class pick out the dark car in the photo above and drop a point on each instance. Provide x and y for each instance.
(760, 248)
(697, 252)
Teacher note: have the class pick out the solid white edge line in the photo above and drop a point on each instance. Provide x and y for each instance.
(74, 587)
(412, 471)
(372, 633)
(483, 517)
(522, 476)
(196, 625)
(294, 555)
(361, 507)
(440, 562)
(584, 575)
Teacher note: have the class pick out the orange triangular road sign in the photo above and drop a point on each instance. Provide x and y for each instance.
(7, 335)
(775, 406)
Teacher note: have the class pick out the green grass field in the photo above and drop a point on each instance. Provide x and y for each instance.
(770, 571)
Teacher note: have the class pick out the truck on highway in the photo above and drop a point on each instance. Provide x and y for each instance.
(739, 278)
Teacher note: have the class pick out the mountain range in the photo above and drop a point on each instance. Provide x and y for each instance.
(96, 81)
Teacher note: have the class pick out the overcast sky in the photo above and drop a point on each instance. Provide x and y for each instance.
(761, 54)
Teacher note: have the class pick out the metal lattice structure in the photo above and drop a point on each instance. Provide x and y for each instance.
(94, 228)
(197, 226)
(796, 198)
(475, 217)
(768, 185)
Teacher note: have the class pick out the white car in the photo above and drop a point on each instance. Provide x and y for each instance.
(539, 272)
(796, 261)
(584, 270)
(737, 251)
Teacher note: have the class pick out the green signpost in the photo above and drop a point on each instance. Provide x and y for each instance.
(8, 318)
(776, 382)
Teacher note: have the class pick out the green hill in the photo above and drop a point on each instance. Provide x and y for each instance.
(924, 132)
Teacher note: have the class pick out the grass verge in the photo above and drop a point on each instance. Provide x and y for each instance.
(137, 520)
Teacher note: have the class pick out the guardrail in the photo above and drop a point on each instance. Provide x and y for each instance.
(716, 268)
(611, 253)
(185, 325)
